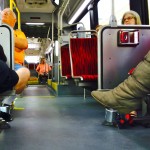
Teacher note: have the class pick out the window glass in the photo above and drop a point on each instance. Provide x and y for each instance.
(105, 10)
(32, 59)
(86, 21)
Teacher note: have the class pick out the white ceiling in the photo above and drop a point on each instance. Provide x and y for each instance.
(42, 6)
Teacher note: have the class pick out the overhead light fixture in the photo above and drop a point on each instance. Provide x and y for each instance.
(79, 11)
(55, 2)
(35, 23)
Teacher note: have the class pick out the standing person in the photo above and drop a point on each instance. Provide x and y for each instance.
(128, 95)
(21, 43)
(43, 69)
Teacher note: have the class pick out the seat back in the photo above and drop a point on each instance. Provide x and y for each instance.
(115, 61)
(65, 62)
(83, 53)
(7, 42)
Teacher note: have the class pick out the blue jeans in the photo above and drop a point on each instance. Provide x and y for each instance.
(18, 66)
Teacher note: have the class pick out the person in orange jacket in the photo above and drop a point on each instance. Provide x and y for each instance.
(43, 69)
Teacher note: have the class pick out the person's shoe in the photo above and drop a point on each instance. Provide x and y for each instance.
(100, 96)
(108, 100)
(6, 116)
(4, 125)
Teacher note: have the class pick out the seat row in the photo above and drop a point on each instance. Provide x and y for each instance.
(79, 61)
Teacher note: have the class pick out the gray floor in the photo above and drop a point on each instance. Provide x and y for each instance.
(45, 122)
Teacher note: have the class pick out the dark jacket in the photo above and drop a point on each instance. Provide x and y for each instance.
(2, 54)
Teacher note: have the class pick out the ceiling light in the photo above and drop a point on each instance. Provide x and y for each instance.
(55, 2)
(35, 23)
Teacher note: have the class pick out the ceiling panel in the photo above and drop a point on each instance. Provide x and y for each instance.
(39, 31)
(43, 6)
(41, 11)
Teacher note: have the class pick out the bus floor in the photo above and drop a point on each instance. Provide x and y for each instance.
(43, 121)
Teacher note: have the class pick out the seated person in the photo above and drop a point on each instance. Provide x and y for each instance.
(8, 79)
(128, 95)
(98, 27)
(43, 69)
(11, 79)
(21, 43)
(131, 18)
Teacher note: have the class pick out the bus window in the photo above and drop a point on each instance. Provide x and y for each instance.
(86, 21)
(32, 59)
(105, 11)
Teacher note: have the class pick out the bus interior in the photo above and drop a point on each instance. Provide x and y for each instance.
(59, 113)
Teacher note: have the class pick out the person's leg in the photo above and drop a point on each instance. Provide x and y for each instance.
(45, 77)
(8, 78)
(127, 96)
(24, 75)
(40, 78)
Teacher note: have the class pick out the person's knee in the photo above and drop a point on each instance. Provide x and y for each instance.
(24, 75)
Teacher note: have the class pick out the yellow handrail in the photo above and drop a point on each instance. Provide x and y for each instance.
(12, 3)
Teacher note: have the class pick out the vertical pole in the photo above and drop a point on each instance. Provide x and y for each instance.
(52, 27)
(99, 60)
(12, 3)
(60, 15)
(84, 94)
(112, 20)
(52, 54)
